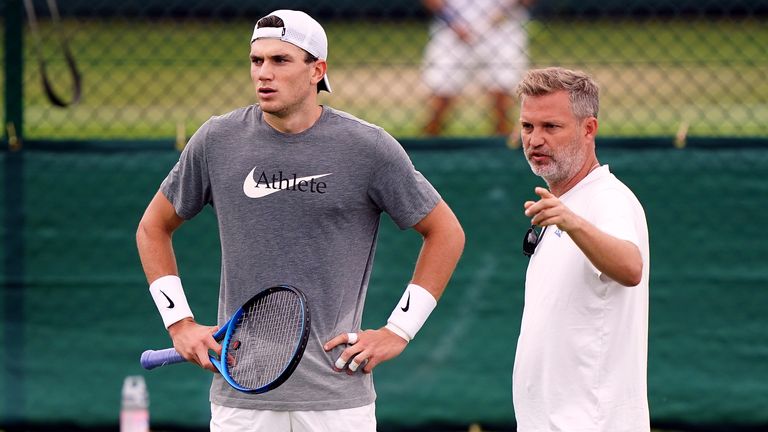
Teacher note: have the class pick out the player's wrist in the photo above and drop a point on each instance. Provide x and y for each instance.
(412, 312)
(180, 325)
(398, 331)
(170, 299)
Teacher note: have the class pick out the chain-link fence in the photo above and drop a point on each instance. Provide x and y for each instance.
(158, 69)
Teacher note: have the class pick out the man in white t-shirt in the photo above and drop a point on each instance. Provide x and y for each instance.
(581, 357)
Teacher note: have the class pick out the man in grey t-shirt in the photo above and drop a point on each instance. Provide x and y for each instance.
(298, 190)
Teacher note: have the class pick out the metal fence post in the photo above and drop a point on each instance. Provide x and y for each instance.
(13, 403)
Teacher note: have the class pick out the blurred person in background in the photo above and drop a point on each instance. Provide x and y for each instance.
(475, 41)
(298, 189)
(582, 352)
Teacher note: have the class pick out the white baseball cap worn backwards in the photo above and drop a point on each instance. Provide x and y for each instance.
(301, 30)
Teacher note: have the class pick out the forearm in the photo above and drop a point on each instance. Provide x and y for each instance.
(440, 252)
(618, 259)
(153, 238)
(155, 252)
(443, 244)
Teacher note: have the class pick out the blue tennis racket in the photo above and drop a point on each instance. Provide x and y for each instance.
(262, 343)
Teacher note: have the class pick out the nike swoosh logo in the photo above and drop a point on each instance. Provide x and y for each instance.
(170, 302)
(252, 189)
(407, 303)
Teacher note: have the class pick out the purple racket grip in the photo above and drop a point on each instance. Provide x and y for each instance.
(151, 359)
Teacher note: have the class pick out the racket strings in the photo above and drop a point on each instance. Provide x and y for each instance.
(265, 339)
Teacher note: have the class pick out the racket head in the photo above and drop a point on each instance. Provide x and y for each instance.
(265, 339)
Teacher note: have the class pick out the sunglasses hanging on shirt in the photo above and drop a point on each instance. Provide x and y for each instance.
(532, 239)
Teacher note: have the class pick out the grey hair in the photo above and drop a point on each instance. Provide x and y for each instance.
(583, 91)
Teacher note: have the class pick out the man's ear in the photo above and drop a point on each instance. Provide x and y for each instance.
(590, 127)
(321, 66)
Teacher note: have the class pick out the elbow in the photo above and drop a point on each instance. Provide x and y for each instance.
(632, 276)
(458, 236)
(461, 238)
(442, 228)
(141, 232)
(631, 270)
(450, 239)
(453, 239)
(631, 281)
(147, 231)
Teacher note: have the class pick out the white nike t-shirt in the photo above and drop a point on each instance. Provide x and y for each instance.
(581, 356)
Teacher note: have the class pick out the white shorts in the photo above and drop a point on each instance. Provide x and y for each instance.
(496, 61)
(226, 419)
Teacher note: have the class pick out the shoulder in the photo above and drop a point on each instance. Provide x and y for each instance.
(603, 182)
(360, 134)
(353, 124)
(223, 128)
(611, 185)
(610, 195)
(231, 126)
(245, 114)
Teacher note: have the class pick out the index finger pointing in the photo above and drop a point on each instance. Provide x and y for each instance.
(543, 192)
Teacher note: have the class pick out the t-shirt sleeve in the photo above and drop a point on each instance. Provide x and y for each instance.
(614, 214)
(397, 187)
(188, 185)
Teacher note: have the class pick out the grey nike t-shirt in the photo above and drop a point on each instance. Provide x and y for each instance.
(300, 209)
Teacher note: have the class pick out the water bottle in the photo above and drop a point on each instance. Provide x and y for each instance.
(134, 409)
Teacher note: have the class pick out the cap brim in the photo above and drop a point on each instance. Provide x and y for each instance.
(324, 85)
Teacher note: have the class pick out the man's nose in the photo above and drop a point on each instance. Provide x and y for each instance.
(265, 71)
(535, 138)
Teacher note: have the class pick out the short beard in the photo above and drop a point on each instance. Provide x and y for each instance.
(564, 165)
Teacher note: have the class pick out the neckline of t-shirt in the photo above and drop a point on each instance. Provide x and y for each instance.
(293, 137)
(593, 175)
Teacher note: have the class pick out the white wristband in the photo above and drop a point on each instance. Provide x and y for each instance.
(170, 299)
(412, 312)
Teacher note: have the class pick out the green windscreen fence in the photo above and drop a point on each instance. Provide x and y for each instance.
(84, 314)
(683, 121)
